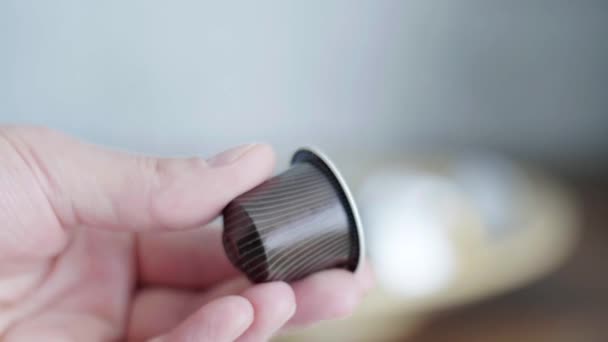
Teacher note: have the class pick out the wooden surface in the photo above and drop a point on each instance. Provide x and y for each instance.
(569, 305)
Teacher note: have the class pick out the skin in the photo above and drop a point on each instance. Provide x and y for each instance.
(102, 245)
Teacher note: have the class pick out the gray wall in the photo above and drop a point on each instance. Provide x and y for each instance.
(529, 77)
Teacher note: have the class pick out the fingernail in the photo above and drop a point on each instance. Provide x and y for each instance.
(230, 156)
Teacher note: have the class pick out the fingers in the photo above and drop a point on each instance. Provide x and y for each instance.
(190, 259)
(157, 311)
(274, 304)
(332, 294)
(323, 296)
(224, 319)
(85, 184)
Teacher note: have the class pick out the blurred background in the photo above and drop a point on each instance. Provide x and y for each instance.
(484, 120)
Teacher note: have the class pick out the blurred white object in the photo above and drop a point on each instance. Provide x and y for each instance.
(407, 217)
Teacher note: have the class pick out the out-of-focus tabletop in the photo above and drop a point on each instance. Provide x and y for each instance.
(569, 305)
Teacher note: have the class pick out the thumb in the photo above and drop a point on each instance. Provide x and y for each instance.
(85, 184)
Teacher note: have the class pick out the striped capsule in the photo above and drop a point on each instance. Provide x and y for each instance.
(299, 222)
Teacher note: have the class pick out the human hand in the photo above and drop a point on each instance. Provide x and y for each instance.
(99, 245)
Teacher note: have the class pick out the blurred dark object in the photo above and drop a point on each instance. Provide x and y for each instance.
(569, 305)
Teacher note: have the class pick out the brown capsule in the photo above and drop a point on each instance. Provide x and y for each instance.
(299, 222)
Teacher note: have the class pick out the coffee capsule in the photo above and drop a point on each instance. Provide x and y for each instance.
(299, 222)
